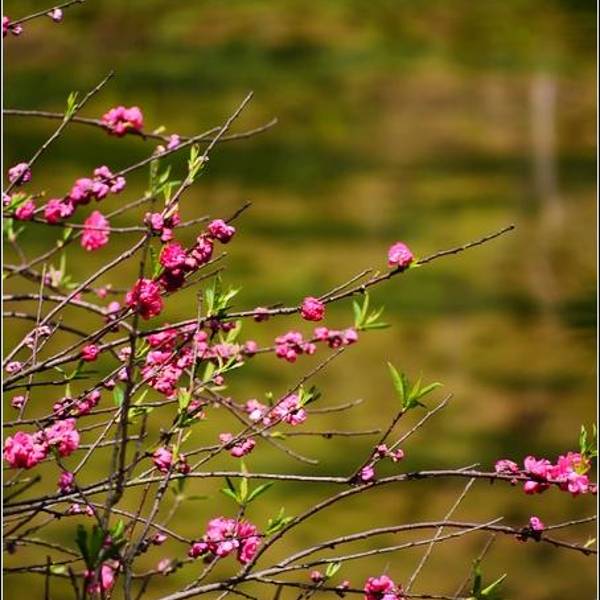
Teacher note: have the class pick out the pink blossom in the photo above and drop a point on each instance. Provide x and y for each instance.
(400, 256)
(173, 256)
(17, 401)
(56, 14)
(506, 466)
(240, 447)
(158, 539)
(312, 309)
(221, 230)
(5, 26)
(162, 459)
(255, 410)
(316, 576)
(144, 296)
(85, 406)
(536, 524)
(291, 344)
(121, 120)
(90, 353)
(201, 253)
(224, 536)
(250, 348)
(96, 232)
(103, 175)
(19, 174)
(539, 468)
(13, 367)
(24, 451)
(78, 509)
(25, 211)
(288, 410)
(382, 588)
(66, 481)
(105, 583)
(174, 141)
(57, 209)
(164, 566)
(367, 473)
(63, 436)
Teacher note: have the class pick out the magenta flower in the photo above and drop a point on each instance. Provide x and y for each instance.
(63, 436)
(19, 174)
(400, 256)
(25, 211)
(144, 296)
(224, 536)
(162, 459)
(66, 481)
(382, 588)
(312, 309)
(90, 352)
(17, 402)
(24, 451)
(239, 448)
(367, 473)
(120, 120)
(173, 256)
(221, 231)
(57, 209)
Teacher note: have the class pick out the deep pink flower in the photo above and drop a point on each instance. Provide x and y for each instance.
(105, 583)
(162, 459)
(5, 26)
(399, 255)
(312, 309)
(144, 296)
(121, 120)
(96, 232)
(63, 436)
(239, 448)
(221, 230)
(24, 451)
(25, 211)
(57, 209)
(224, 536)
(66, 481)
(19, 174)
(173, 256)
(382, 588)
(540, 468)
(90, 353)
(289, 410)
(291, 344)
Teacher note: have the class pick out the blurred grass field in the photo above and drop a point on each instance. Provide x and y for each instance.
(431, 122)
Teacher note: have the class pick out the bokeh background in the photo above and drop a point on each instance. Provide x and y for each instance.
(433, 122)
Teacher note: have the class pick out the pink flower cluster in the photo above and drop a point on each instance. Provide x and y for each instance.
(19, 174)
(335, 338)
(224, 536)
(289, 345)
(400, 256)
(289, 410)
(82, 192)
(382, 588)
(25, 450)
(120, 120)
(77, 408)
(163, 459)
(145, 297)
(96, 232)
(162, 226)
(569, 473)
(100, 585)
(7, 27)
(238, 448)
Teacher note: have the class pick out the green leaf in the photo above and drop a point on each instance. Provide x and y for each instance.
(332, 569)
(118, 396)
(261, 489)
(230, 494)
(492, 590)
(399, 382)
(81, 541)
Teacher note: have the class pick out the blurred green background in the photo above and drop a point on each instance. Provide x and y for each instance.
(432, 122)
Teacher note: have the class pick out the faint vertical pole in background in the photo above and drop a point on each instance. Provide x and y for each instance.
(542, 100)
